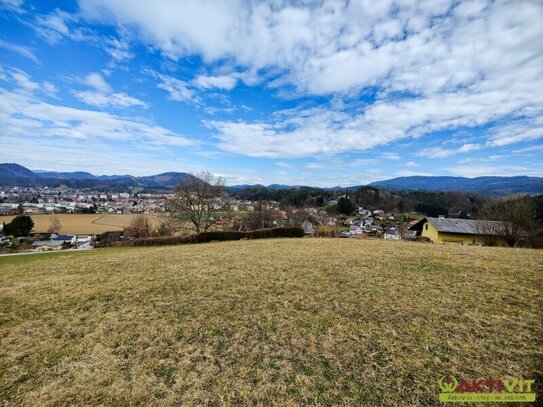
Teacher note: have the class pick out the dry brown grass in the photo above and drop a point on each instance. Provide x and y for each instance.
(284, 322)
(84, 223)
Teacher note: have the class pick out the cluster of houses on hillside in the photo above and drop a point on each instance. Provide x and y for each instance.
(368, 223)
(44, 200)
(34, 201)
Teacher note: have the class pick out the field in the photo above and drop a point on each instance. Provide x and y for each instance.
(83, 223)
(266, 322)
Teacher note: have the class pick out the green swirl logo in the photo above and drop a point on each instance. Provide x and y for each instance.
(448, 384)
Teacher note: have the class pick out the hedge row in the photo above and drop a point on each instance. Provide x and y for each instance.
(204, 237)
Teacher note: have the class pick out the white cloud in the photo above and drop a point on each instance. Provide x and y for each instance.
(391, 156)
(116, 100)
(464, 64)
(439, 152)
(12, 5)
(340, 163)
(283, 164)
(102, 95)
(59, 24)
(177, 89)
(411, 164)
(23, 115)
(226, 82)
(327, 130)
(119, 49)
(530, 149)
(18, 49)
(517, 131)
(54, 26)
(49, 89)
(24, 83)
(495, 170)
(358, 43)
(408, 173)
(466, 148)
(97, 81)
(436, 152)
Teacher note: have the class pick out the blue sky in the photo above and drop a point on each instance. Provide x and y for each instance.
(333, 93)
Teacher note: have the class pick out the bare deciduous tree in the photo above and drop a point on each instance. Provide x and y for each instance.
(517, 219)
(54, 225)
(139, 227)
(196, 202)
(263, 216)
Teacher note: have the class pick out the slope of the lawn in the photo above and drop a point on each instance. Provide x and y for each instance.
(285, 322)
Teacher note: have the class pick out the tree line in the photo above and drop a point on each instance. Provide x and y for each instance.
(427, 202)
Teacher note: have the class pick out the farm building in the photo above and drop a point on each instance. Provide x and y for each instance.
(463, 231)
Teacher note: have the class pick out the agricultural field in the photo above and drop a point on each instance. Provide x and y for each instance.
(83, 223)
(266, 322)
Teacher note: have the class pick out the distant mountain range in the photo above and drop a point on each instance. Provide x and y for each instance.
(483, 185)
(271, 186)
(17, 175)
(498, 186)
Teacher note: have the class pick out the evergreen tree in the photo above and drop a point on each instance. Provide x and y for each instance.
(21, 225)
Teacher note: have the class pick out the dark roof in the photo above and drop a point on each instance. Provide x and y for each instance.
(63, 237)
(462, 226)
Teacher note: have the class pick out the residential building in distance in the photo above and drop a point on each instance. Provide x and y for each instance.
(462, 231)
(393, 234)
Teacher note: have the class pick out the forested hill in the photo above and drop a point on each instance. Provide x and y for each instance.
(482, 185)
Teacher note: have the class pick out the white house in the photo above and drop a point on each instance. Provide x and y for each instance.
(309, 228)
(392, 234)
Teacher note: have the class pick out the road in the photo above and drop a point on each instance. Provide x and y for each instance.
(47, 252)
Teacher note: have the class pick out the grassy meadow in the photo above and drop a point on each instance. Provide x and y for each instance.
(83, 223)
(266, 322)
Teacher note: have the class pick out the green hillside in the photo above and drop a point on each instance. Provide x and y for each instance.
(269, 322)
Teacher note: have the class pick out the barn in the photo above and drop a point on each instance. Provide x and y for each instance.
(462, 231)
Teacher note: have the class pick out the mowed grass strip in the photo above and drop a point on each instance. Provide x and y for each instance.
(266, 322)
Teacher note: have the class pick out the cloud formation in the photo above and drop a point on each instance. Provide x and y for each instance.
(19, 49)
(25, 115)
(102, 95)
(432, 66)
(59, 24)
(24, 83)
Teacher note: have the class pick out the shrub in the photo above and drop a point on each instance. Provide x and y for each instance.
(160, 241)
(163, 230)
(287, 231)
(204, 237)
(326, 231)
(139, 227)
(107, 239)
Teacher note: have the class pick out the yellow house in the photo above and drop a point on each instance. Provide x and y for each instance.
(462, 231)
